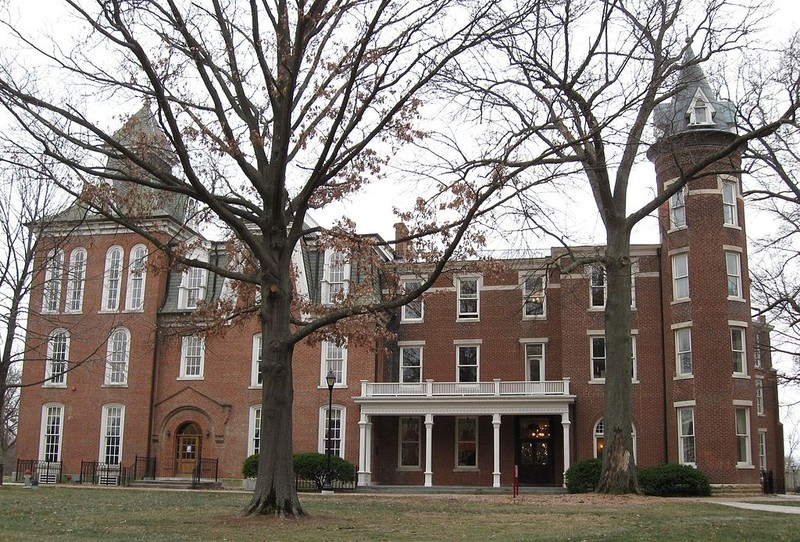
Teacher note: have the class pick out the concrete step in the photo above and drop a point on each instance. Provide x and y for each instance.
(461, 490)
(736, 490)
(175, 483)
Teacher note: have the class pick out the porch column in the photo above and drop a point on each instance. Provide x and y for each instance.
(565, 424)
(428, 450)
(496, 473)
(364, 447)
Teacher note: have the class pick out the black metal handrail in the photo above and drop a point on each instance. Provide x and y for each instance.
(205, 469)
(104, 474)
(144, 467)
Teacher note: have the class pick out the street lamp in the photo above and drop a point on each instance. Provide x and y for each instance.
(330, 379)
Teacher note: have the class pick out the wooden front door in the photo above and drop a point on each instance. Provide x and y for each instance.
(535, 437)
(188, 445)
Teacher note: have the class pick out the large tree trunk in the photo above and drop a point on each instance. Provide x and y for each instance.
(619, 470)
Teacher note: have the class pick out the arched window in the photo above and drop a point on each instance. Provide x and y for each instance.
(599, 442)
(119, 344)
(53, 271)
(113, 279)
(75, 278)
(137, 272)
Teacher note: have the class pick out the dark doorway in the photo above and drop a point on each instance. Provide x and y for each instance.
(188, 446)
(536, 438)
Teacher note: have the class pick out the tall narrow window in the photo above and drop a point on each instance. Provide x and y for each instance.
(734, 271)
(533, 296)
(254, 440)
(53, 272)
(677, 208)
(413, 310)
(337, 275)
(193, 288)
(686, 449)
(468, 298)
(762, 449)
(468, 364)
(743, 437)
(599, 438)
(334, 358)
(57, 359)
(52, 427)
(75, 280)
(466, 442)
(683, 351)
(760, 396)
(534, 362)
(738, 351)
(335, 430)
(598, 345)
(597, 286)
(680, 276)
(113, 278)
(410, 439)
(137, 271)
(729, 193)
(111, 439)
(256, 375)
(192, 357)
(411, 363)
(117, 358)
(757, 349)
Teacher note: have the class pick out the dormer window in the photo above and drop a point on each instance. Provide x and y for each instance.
(700, 110)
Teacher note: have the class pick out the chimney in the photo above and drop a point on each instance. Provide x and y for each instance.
(403, 249)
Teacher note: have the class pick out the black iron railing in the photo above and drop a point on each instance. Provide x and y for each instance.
(42, 472)
(144, 468)
(205, 469)
(104, 474)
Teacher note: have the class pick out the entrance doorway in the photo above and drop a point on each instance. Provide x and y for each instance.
(188, 447)
(535, 438)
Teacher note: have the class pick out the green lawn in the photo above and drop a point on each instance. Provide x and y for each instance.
(68, 513)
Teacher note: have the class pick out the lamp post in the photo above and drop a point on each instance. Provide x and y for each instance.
(330, 379)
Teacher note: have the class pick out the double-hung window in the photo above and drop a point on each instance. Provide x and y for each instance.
(738, 351)
(760, 396)
(468, 298)
(733, 269)
(597, 286)
(254, 437)
(729, 194)
(53, 271)
(137, 268)
(468, 363)
(683, 351)
(333, 433)
(411, 363)
(413, 310)
(111, 436)
(680, 277)
(75, 280)
(677, 208)
(334, 358)
(466, 442)
(57, 359)
(534, 362)
(533, 296)
(686, 448)
(410, 440)
(52, 429)
(119, 344)
(192, 357)
(256, 375)
(335, 284)
(112, 283)
(742, 437)
(598, 354)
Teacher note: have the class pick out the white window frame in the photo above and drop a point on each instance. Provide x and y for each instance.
(680, 277)
(137, 278)
(461, 296)
(530, 355)
(402, 441)
(54, 378)
(255, 373)
(409, 347)
(760, 404)
(757, 354)
(599, 433)
(193, 346)
(45, 448)
(593, 357)
(598, 284)
(336, 277)
(733, 270)
(534, 296)
(194, 282)
(460, 366)
(254, 430)
(683, 350)
(76, 277)
(762, 449)
(742, 429)
(700, 103)
(327, 348)
(739, 354)
(341, 418)
(53, 274)
(118, 361)
(730, 194)
(407, 315)
(686, 437)
(677, 209)
(106, 435)
(112, 279)
(458, 442)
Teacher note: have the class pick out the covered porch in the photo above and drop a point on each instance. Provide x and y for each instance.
(534, 417)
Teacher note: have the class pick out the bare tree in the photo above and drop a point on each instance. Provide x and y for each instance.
(258, 112)
(585, 78)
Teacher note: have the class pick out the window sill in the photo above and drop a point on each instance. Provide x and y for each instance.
(133, 311)
(596, 308)
(191, 378)
(741, 376)
(108, 311)
(597, 381)
(745, 466)
(255, 387)
(73, 312)
(467, 319)
(736, 298)
(420, 321)
(732, 226)
(54, 386)
(678, 228)
(466, 469)
(535, 317)
(335, 386)
(683, 377)
(114, 385)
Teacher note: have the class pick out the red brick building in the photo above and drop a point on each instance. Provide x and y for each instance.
(495, 367)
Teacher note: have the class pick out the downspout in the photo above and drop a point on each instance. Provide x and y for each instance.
(663, 352)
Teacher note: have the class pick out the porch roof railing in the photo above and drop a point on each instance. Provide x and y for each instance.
(495, 388)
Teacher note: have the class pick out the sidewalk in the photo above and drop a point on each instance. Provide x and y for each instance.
(766, 507)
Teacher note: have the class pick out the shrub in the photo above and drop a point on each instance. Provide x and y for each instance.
(311, 466)
(584, 476)
(674, 481)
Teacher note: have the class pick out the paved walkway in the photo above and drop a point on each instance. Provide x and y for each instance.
(765, 506)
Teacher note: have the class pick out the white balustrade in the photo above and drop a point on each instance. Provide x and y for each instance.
(497, 388)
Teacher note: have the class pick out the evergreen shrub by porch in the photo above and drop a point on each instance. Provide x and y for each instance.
(674, 481)
(584, 476)
(311, 466)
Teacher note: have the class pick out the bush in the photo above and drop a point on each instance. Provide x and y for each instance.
(584, 476)
(311, 466)
(674, 481)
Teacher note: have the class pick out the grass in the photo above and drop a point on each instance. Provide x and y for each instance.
(67, 513)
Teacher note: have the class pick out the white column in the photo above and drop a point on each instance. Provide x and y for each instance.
(364, 433)
(496, 473)
(368, 457)
(428, 450)
(565, 424)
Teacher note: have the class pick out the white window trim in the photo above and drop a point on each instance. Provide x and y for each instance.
(760, 403)
(325, 284)
(460, 317)
(743, 332)
(678, 365)
(748, 462)
(184, 344)
(699, 96)
(400, 465)
(403, 345)
(596, 434)
(53, 275)
(323, 366)
(43, 430)
(133, 261)
(323, 420)
(762, 449)
(592, 337)
(404, 318)
(475, 467)
(673, 224)
(690, 405)
(48, 368)
(592, 287)
(737, 274)
(595, 334)
(251, 432)
(256, 354)
(183, 289)
(470, 344)
(674, 259)
(523, 279)
(730, 180)
(542, 364)
(109, 352)
(101, 455)
(76, 281)
(107, 280)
